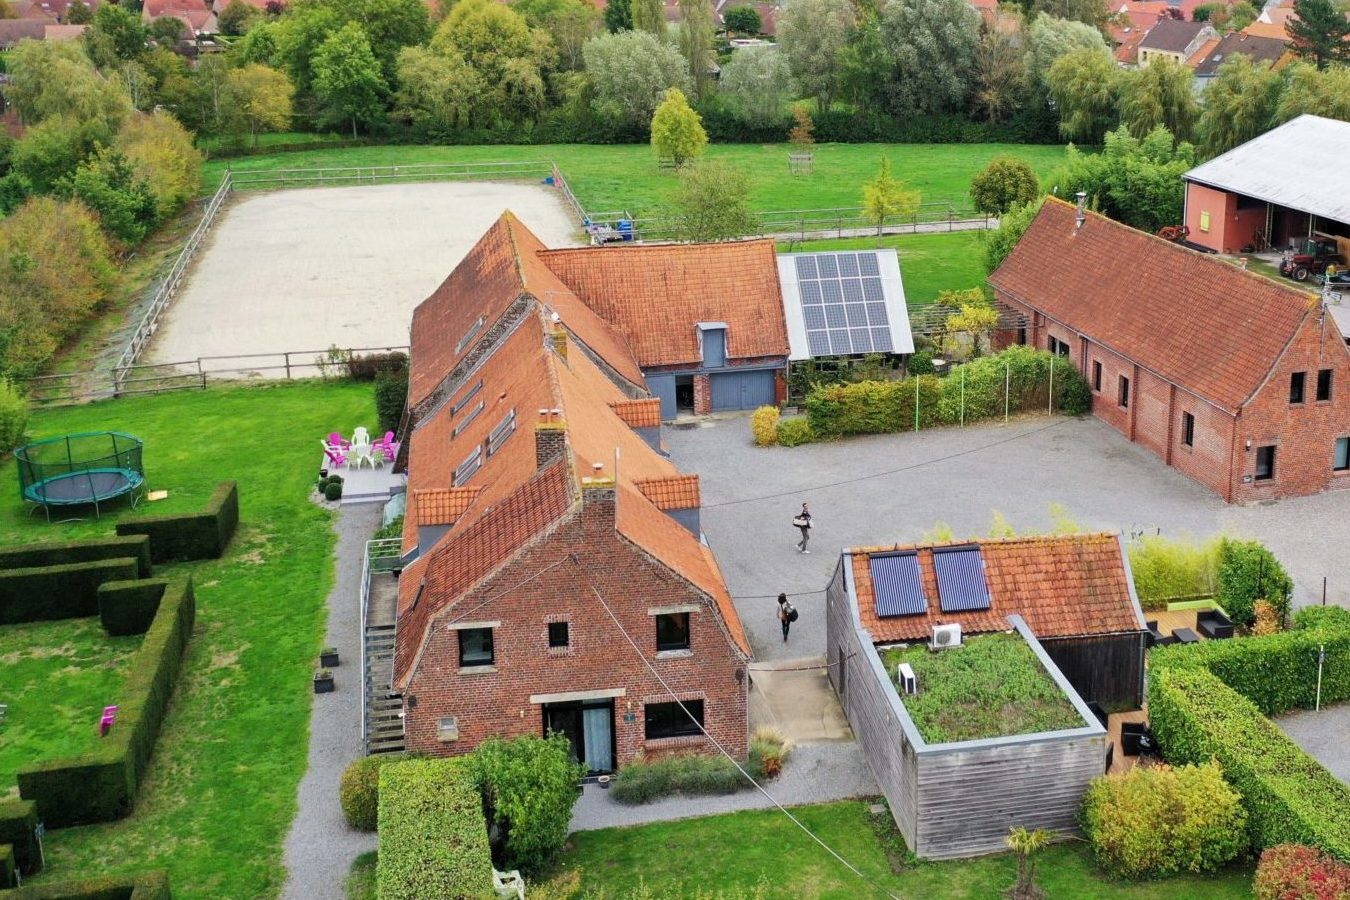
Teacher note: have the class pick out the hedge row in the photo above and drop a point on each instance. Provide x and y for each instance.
(149, 885)
(18, 823)
(1289, 797)
(58, 553)
(8, 871)
(129, 607)
(101, 785)
(973, 391)
(66, 591)
(433, 835)
(199, 535)
(1277, 672)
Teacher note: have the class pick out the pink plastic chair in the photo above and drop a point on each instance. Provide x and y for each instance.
(338, 440)
(336, 460)
(105, 724)
(387, 445)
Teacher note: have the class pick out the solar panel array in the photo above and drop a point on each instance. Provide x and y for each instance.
(960, 578)
(897, 585)
(843, 303)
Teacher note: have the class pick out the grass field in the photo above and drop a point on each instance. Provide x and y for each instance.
(626, 177)
(56, 678)
(221, 790)
(733, 854)
(929, 263)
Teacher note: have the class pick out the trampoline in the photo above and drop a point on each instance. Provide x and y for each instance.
(86, 469)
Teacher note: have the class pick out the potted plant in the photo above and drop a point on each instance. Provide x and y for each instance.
(604, 782)
(323, 682)
(328, 657)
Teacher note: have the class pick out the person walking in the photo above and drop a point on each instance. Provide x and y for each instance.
(786, 615)
(803, 523)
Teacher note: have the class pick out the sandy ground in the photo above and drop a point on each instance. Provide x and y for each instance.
(307, 269)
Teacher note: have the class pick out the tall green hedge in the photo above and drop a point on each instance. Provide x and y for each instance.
(18, 824)
(433, 836)
(1277, 672)
(58, 553)
(1249, 572)
(149, 885)
(129, 607)
(529, 785)
(8, 870)
(1289, 797)
(101, 785)
(200, 535)
(58, 592)
(969, 393)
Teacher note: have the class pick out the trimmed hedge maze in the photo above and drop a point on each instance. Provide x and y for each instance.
(57, 553)
(188, 536)
(149, 885)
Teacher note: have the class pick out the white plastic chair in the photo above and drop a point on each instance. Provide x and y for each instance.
(362, 449)
(508, 884)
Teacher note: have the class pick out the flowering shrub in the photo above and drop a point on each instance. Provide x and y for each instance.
(1296, 872)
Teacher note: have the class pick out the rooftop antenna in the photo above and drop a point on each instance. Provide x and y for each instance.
(1081, 215)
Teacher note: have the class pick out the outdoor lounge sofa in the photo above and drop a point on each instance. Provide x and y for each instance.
(1155, 637)
(1213, 624)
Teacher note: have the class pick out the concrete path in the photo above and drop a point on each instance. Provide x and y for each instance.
(815, 773)
(795, 697)
(321, 847)
(1325, 735)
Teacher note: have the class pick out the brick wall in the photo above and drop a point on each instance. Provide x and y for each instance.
(598, 657)
(702, 395)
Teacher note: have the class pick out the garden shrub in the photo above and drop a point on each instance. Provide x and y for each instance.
(1296, 872)
(1267, 619)
(333, 491)
(100, 785)
(359, 790)
(58, 592)
(1277, 672)
(1249, 572)
(56, 553)
(645, 780)
(18, 828)
(391, 395)
(433, 835)
(393, 529)
(872, 407)
(152, 884)
(529, 785)
(769, 750)
(8, 871)
(1157, 820)
(764, 426)
(920, 362)
(795, 431)
(366, 367)
(129, 607)
(1172, 570)
(13, 416)
(187, 536)
(1288, 796)
(1323, 617)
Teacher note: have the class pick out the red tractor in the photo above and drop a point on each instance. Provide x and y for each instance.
(1313, 260)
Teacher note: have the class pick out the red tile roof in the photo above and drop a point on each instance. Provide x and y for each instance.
(1062, 585)
(440, 506)
(644, 413)
(676, 492)
(1192, 318)
(657, 294)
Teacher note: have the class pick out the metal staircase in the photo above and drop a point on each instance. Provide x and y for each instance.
(382, 708)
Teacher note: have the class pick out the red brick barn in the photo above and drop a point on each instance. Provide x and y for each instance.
(546, 530)
(1239, 381)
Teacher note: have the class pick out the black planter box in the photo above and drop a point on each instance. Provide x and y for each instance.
(329, 660)
(323, 685)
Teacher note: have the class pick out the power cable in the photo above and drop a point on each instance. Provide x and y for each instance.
(739, 768)
(571, 557)
(796, 492)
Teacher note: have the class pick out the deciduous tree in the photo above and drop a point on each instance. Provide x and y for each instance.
(114, 34)
(160, 151)
(1049, 38)
(886, 197)
(1083, 84)
(1000, 75)
(931, 44)
(1135, 181)
(618, 16)
(347, 80)
(711, 203)
(260, 97)
(105, 183)
(1006, 182)
(677, 131)
(1161, 93)
(56, 78)
(1011, 226)
(167, 31)
(79, 13)
(1319, 31)
(437, 92)
(630, 72)
(695, 39)
(1239, 104)
(1308, 90)
(742, 20)
(570, 23)
(813, 33)
(51, 150)
(758, 83)
(236, 17)
(649, 16)
(508, 55)
(1090, 12)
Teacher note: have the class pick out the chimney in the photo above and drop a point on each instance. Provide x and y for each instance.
(598, 490)
(1081, 215)
(557, 338)
(550, 436)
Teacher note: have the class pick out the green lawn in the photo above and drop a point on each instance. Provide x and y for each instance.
(625, 176)
(929, 263)
(733, 853)
(56, 678)
(221, 789)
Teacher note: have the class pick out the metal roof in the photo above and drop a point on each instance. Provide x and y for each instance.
(1300, 165)
(843, 303)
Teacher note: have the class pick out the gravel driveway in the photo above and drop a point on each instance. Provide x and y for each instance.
(894, 488)
(1325, 735)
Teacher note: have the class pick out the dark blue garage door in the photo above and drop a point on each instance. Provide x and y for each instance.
(742, 390)
(663, 386)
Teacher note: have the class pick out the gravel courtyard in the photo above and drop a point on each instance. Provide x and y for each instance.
(307, 269)
(894, 488)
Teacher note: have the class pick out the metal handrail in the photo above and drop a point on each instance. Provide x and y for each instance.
(382, 555)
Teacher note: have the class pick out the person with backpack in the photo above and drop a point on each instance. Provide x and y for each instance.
(787, 614)
(802, 522)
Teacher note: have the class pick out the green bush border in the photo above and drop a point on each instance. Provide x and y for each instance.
(1289, 797)
(433, 835)
(152, 884)
(101, 785)
(8, 871)
(187, 536)
(18, 824)
(58, 553)
(129, 607)
(67, 591)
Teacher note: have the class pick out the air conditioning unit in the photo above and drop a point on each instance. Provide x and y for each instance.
(904, 676)
(945, 637)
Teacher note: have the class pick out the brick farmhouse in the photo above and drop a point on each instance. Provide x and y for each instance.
(1236, 380)
(546, 529)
